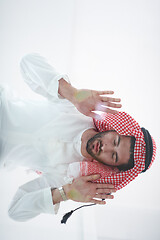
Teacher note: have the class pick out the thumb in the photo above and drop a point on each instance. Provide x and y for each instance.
(92, 177)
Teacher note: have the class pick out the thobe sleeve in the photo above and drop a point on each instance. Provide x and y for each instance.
(32, 199)
(41, 77)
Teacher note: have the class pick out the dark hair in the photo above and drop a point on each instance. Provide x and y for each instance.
(130, 164)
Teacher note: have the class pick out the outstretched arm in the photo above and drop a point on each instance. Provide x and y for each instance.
(46, 81)
(87, 101)
(36, 197)
(83, 189)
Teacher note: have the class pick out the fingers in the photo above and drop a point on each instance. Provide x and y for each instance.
(110, 104)
(105, 191)
(104, 196)
(108, 110)
(105, 109)
(92, 177)
(98, 201)
(105, 186)
(105, 92)
(109, 99)
(102, 109)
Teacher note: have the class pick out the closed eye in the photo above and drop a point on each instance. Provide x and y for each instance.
(116, 144)
(114, 157)
(118, 140)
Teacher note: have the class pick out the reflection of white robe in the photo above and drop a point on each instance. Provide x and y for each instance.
(42, 135)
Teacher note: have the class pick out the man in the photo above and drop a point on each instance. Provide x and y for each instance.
(142, 151)
(48, 137)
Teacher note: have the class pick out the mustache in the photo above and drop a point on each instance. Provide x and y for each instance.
(90, 142)
(99, 135)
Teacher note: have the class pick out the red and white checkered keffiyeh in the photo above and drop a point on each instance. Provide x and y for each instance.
(124, 124)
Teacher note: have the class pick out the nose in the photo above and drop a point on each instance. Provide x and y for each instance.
(107, 148)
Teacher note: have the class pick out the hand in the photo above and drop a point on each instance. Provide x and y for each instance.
(87, 101)
(84, 190)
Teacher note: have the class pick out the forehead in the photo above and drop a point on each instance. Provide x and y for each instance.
(110, 133)
(110, 136)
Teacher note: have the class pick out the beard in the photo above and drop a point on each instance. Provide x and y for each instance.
(90, 142)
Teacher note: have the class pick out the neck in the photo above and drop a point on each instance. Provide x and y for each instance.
(89, 133)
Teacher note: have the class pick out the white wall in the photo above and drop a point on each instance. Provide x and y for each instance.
(102, 45)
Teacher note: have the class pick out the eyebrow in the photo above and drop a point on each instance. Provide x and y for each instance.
(118, 140)
(116, 152)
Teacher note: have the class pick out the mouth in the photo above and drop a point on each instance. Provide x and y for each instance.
(97, 147)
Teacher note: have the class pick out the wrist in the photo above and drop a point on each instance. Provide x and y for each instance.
(71, 192)
(56, 197)
(62, 193)
(67, 189)
(67, 91)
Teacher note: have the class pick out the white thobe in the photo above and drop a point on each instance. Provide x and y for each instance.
(41, 135)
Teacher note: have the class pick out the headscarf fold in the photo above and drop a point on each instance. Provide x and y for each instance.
(124, 124)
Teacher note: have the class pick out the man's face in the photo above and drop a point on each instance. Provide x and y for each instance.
(109, 148)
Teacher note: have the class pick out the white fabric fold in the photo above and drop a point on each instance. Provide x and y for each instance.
(41, 76)
(40, 135)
